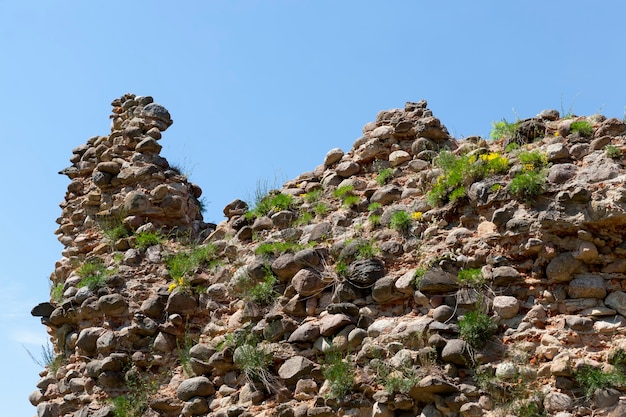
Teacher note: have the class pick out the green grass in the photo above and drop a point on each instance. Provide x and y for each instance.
(321, 209)
(504, 129)
(401, 221)
(135, 402)
(366, 250)
(471, 277)
(533, 160)
(459, 172)
(591, 379)
(146, 239)
(613, 151)
(277, 248)
(261, 292)
(395, 380)
(181, 264)
(477, 328)
(56, 292)
(374, 220)
(93, 274)
(276, 202)
(583, 127)
(184, 357)
(528, 186)
(304, 218)
(339, 373)
(383, 176)
(313, 196)
(345, 193)
(113, 227)
(341, 269)
(418, 275)
(254, 361)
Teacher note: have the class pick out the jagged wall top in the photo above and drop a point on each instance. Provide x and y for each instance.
(122, 176)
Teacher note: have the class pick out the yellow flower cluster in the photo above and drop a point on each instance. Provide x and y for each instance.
(528, 167)
(417, 216)
(490, 156)
(179, 282)
(303, 195)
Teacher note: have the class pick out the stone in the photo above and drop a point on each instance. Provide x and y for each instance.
(586, 252)
(157, 115)
(457, 352)
(148, 145)
(307, 282)
(382, 132)
(387, 194)
(471, 410)
(332, 156)
(181, 301)
(87, 339)
(330, 324)
(366, 272)
(587, 286)
(306, 332)
(398, 158)
(437, 281)
(347, 169)
(235, 208)
(295, 368)
(199, 386)
(443, 313)
(112, 304)
(384, 291)
(561, 173)
(505, 275)
(563, 267)
(557, 401)
(617, 301)
(44, 309)
(506, 306)
(557, 152)
(285, 267)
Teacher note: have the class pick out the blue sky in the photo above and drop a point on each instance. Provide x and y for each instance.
(260, 90)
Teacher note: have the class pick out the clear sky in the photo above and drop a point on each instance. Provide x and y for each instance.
(260, 90)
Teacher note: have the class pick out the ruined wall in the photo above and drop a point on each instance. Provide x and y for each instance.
(352, 289)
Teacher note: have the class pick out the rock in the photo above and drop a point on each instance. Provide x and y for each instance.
(366, 272)
(557, 152)
(347, 169)
(398, 158)
(443, 313)
(42, 310)
(561, 173)
(384, 291)
(587, 286)
(505, 275)
(199, 386)
(330, 324)
(157, 115)
(551, 115)
(181, 301)
(437, 281)
(457, 352)
(295, 368)
(505, 306)
(307, 332)
(605, 398)
(112, 304)
(471, 410)
(617, 301)
(382, 410)
(579, 324)
(285, 267)
(195, 406)
(87, 339)
(557, 401)
(306, 389)
(235, 208)
(307, 282)
(387, 194)
(332, 156)
(562, 268)
(586, 252)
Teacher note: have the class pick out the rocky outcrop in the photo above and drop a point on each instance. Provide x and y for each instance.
(414, 274)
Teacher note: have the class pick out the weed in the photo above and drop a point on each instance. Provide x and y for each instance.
(321, 209)
(304, 218)
(476, 328)
(613, 151)
(533, 160)
(184, 357)
(395, 380)
(254, 361)
(268, 203)
(583, 127)
(48, 359)
(528, 185)
(366, 250)
(418, 275)
(345, 193)
(504, 129)
(401, 221)
(276, 248)
(202, 204)
(374, 220)
(56, 293)
(339, 373)
(341, 268)
(513, 146)
(374, 206)
(135, 402)
(146, 239)
(383, 176)
(259, 292)
(182, 264)
(591, 379)
(93, 274)
(313, 196)
(472, 277)
(113, 227)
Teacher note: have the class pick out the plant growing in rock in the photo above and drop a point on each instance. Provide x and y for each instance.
(182, 264)
(528, 186)
(401, 221)
(477, 328)
(321, 209)
(503, 129)
(93, 274)
(418, 275)
(254, 361)
(366, 250)
(135, 402)
(583, 127)
(49, 359)
(276, 202)
(339, 372)
(533, 160)
(591, 379)
(113, 227)
(313, 196)
(472, 277)
(144, 240)
(184, 357)
(613, 151)
(262, 292)
(276, 248)
(345, 193)
(304, 218)
(383, 176)
(56, 292)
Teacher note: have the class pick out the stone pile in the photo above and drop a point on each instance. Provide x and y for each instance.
(323, 303)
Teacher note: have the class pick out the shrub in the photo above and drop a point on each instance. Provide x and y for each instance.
(472, 277)
(56, 292)
(613, 151)
(504, 129)
(401, 221)
(276, 248)
(395, 380)
(313, 196)
(135, 402)
(417, 276)
(533, 160)
(268, 203)
(321, 209)
(259, 292)
(476, 328)
(528, 185)
(254, 362)
(583, 127)
(146, 239)
(383, 176)
(590, 379)
(374, 206)
(346, 194)
(93, 274)
(374, 219)
(339, 373)
(365, 250)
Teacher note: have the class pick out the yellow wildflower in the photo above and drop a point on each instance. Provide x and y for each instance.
(172, 286)
(528, 167)
(557, 133)
(417, 215)
(303, 195)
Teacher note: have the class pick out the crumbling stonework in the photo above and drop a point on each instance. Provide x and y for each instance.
(351, 290)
